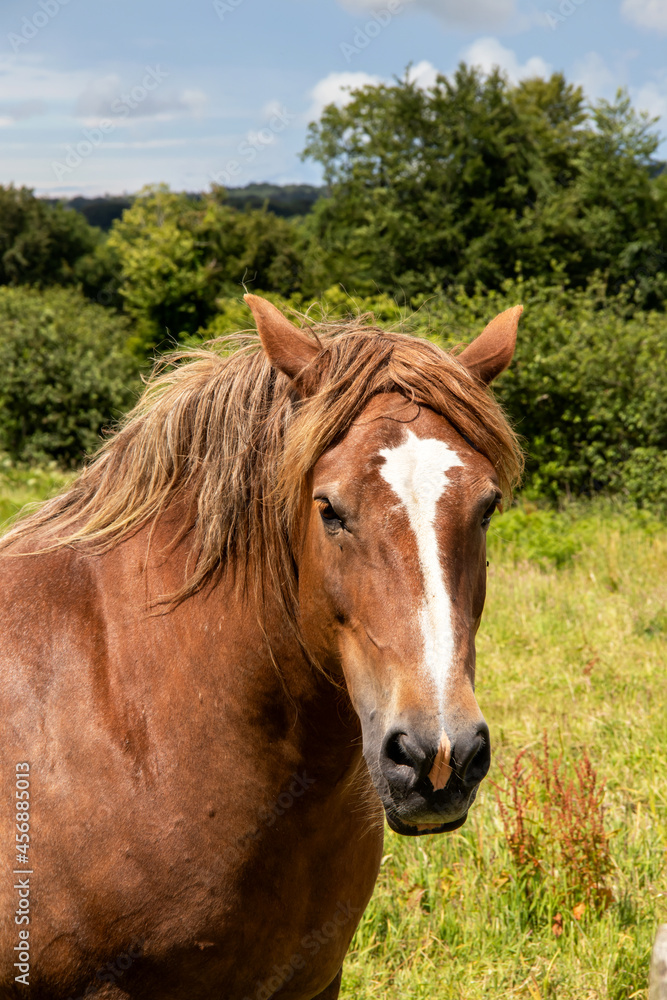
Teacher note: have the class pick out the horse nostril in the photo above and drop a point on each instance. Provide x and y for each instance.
(401, 752)
(397, 751)
(478, 758)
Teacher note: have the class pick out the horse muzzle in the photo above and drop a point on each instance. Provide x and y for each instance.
(428, 784)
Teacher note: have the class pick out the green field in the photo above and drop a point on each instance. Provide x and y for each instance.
(573, 645)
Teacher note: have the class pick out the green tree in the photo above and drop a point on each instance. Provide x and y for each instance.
(163, 280)
(40, 243)
(426, 186)
(473, 180)
(609, 215)
(177, 254)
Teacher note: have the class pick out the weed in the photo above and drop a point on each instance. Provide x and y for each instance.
(553, 820)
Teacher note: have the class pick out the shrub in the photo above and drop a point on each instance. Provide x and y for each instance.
(531, 534)
(64, 374)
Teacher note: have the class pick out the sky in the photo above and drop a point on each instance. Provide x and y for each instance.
(107, 96)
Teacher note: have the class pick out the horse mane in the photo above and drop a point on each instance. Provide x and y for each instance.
(220, 440)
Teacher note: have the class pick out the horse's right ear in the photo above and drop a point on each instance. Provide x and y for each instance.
(492, 351)
(287, 348)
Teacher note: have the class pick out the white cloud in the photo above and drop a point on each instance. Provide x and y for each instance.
(594, 77)
(488, 53)
(646, 13)
(21, 112)
(27, 88)
(460, 13)
(424, 74)
(98, 96)
(271, 108)
(336, 89)
(193, 101)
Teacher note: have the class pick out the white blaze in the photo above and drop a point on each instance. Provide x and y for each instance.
(417, 471)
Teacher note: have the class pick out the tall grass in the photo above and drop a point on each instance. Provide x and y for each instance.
(573, 645)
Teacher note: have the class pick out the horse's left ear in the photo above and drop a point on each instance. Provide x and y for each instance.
(492, 351)
(287, 348)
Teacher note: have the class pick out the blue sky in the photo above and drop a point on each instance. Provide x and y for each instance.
(104, 96)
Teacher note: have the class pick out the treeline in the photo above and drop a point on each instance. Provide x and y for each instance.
(281, 199)
(451, 201)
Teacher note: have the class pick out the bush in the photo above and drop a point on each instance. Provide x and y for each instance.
(64, 374)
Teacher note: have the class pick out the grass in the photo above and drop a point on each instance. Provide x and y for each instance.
(20, 485)
(573, 644)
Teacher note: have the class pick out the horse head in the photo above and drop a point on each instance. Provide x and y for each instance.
(391, 555)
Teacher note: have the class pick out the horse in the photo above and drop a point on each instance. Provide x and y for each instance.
(239, 640)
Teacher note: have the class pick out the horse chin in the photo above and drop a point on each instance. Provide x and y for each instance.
(414, 829)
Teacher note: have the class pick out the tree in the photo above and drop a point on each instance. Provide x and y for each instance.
(473, 180)
(605, 212)
(177, 254)
(426, 187)
(40, 243)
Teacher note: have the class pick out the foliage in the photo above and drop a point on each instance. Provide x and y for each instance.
(64, 374)
(472, 180)
(99, 277)
(177, 254)
(40, 243)
(233, 314)
(527, 532)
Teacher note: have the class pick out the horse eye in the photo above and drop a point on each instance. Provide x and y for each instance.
(486, 520)
(327, 513)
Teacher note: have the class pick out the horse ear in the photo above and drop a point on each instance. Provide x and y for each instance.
(287, 347)
(492, 351)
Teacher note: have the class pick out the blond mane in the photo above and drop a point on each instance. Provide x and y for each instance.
(219, 436)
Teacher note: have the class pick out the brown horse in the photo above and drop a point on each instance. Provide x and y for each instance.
(249, 622)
